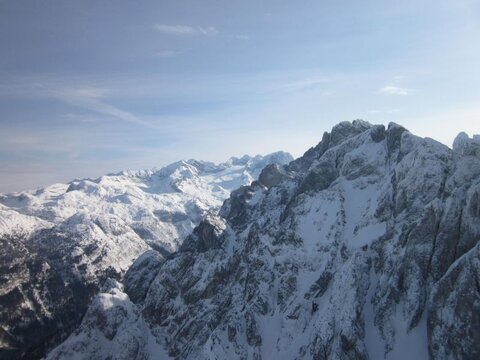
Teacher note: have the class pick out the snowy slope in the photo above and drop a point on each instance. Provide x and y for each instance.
(161, 206)
(366, 247)
(112, 325)
(60, 243)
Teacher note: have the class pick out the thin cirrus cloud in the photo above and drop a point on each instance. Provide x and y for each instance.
(164, 54)
(185, 30)
(88, 97)
(305, 83)
(396, 90)
(94, 99)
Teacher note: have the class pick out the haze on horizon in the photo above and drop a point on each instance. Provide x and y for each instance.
(88, 88)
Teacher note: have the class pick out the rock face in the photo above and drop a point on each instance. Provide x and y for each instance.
(112, 325)
(59, 244)
(367, 247)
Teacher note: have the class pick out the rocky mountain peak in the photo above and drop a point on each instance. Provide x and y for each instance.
(367, 246)
(463, 145)
(359, 249)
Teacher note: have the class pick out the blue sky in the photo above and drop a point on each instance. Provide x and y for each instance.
(92, 87)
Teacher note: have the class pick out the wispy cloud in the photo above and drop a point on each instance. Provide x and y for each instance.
(185, 30)
(89, 97)
(396, 90)
(94, 99)
(164, 54)
(238, 37)
(304, 83)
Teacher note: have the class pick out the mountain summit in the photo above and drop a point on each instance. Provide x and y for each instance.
(367, 246)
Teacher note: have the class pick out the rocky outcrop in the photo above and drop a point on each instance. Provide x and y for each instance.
(111, 329)
(273, 175)
(140, 275)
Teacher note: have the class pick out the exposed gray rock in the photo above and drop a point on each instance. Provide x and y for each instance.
(273, 175)
(205, 236)
(455, 334)
(140, 275)
(111, 329)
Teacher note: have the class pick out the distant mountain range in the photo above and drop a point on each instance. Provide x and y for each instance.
(60, 243)
(366, 247)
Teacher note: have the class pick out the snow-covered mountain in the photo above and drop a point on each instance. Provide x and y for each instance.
(60, 243)
(366, 247)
